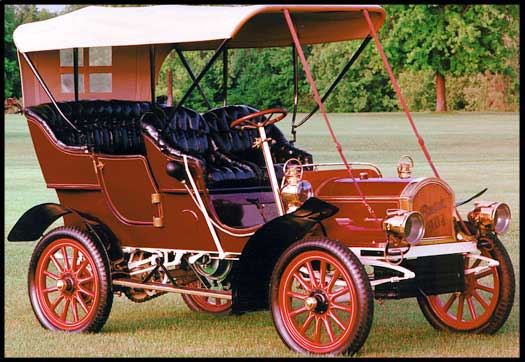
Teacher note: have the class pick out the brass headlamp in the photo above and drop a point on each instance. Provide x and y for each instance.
(294, 190)
(404, 225)
(491, 216)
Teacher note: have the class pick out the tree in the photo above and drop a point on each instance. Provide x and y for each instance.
(16, 15)
(449, 40)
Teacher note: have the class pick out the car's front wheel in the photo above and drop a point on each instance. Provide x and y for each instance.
(69, 282)
(485, 304)
(321, 299)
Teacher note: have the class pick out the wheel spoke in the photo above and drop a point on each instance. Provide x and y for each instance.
(471, 308)
(317, 333)
(480, 299)
(51, 275)
(56, 302)
(89, 294)
(81, 302)
(485, 288)
(57, 264)
(336, 319)
(312, 274)
(74, 260)
(475, 264)
(84, 280)
(50, 290)
(82, 266)
(322, 274)
(298, 311)
(66, 307)
(301, 281)
(307, 322)
(74, 309)
(333, 280)
(338, 306)
(449, 302)
(64, 257)
(296, 295)
(339, 292)
(328, 329)
(484, 274)
(461, 301)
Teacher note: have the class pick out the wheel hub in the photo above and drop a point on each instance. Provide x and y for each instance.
(317, 302)
(65, 285)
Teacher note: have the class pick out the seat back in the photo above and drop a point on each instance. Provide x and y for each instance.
(238, 143)
(110, 127)
(183, 130)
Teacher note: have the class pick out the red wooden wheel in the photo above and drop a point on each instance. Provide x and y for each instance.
(249, 122)
(207, 304)
(322, 302)
(484, 305)
(68, 282)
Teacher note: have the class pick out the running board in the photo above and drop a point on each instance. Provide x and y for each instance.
(168, 288)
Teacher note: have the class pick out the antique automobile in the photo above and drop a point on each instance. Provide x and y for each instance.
(217, 204)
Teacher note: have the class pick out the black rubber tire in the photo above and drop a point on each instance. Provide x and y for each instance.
(505, 298)
(101, 263)
(359, 278)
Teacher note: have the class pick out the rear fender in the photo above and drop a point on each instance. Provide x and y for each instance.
(251, 275)
(34, 222)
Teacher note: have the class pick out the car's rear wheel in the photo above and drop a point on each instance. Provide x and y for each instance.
(321, 299)
(211, 305)
(69, 282)
(485, 304)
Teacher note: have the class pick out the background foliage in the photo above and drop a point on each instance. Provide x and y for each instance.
(474, 47)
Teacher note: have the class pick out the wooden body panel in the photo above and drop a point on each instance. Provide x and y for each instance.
(119, 194)
(60, 167)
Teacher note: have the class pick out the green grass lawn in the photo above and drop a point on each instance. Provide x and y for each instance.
(471, 151)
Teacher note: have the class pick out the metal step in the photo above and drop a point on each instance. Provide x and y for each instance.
(131, 283)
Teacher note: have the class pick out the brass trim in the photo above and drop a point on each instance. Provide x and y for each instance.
(158, 222)
(437, 240)
(155, 198)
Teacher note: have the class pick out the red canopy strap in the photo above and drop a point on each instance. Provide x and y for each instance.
(403, 104)
(321, 107)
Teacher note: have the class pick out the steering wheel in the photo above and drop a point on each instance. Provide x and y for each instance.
(248, 122)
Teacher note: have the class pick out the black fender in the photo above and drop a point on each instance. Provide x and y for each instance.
(251, 274)
(32, 224)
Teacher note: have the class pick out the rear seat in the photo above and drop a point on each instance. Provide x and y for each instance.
(110, 127)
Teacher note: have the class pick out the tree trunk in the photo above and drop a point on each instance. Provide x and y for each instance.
(441, 99)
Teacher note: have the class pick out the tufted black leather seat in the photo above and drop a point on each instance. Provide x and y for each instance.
(110, 127)
(184, 131)
(237, 144)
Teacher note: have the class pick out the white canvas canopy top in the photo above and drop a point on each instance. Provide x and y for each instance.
(196, 27)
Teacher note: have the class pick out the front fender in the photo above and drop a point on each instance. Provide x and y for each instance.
(251, 275)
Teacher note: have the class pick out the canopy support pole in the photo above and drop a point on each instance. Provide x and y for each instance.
(295, 94)
(152, 71)
(203, 72)
(46, 89)
(192, 76)
(323, 111)
(405, 108)
(224, 77)
(338, 79)
(75, 71)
